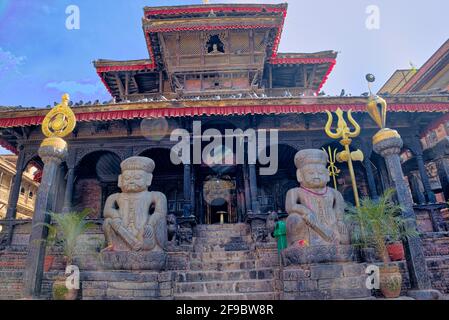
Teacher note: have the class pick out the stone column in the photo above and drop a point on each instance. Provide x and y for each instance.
(443, 173)
(69, 190)
(430, 196)
(52, 151)
(253, 188)
(388, 144)
(187, 190)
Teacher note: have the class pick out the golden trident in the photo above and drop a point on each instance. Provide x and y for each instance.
(345, 133)
(333, 170)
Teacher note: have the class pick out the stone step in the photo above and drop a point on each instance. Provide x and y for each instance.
(230, 246)
(222, 256)
(234, 275)
(222, 239)
(230, 296)
(214, 287)
(222, 266)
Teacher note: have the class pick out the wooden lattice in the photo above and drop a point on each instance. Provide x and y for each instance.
(190, 44)
(259, 41)
(239, 41)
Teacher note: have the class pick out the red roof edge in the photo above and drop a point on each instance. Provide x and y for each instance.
(228, 110)
(326, 76)
(5, 144)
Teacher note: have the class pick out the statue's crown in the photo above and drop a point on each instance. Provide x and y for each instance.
(310, 156)
(138, 163)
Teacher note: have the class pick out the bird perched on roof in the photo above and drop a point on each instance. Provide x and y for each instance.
(342, 93)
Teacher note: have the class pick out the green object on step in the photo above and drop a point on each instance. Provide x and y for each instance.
(280, 233)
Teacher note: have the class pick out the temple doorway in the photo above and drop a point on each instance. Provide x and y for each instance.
(219, 200)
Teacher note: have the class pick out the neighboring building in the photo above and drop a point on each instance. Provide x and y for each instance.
(431, 79)
(28, 189)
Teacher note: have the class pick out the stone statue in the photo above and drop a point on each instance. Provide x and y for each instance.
(315, 210)
(128, 224)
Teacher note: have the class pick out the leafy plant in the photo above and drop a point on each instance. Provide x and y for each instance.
(67, 229)
(376, 221)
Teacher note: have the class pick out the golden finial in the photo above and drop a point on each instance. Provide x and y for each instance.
(60, 121)
(344, 132)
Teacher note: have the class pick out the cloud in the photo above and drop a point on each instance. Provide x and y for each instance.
(72, 87)
(9, 63)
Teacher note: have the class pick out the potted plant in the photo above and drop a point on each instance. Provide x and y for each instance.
(395, 249)
(64, 232)
(372, 224)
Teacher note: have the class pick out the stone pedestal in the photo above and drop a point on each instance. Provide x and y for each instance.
(388, 144)
(130, 260)
(52, 151)
(323, 272)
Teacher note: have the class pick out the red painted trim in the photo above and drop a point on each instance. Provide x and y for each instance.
(301, 60)
(326, 76)
(105, 83)
(5, 144)
(125, 68)
(225, 111)
(206, 9)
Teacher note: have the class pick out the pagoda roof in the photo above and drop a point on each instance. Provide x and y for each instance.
(397, 80)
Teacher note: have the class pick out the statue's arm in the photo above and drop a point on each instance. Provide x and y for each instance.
(160, 203)
(110, 207)
(292, 205)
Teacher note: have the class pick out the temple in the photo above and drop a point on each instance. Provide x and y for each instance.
(219, 65)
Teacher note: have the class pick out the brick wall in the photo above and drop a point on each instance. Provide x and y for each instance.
(88, 195)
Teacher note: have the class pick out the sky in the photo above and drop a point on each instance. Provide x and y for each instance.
(40, 58)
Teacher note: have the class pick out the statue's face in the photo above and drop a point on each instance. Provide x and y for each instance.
(134, 181)
(313, 176)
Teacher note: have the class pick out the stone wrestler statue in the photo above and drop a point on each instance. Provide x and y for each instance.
(128, 225)
(315, 211)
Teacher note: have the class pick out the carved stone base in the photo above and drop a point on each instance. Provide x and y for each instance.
(128, 260)
(297, 255)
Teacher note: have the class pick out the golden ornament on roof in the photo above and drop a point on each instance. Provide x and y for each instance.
(60, 121)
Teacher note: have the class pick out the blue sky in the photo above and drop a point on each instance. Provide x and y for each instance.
(40, 59)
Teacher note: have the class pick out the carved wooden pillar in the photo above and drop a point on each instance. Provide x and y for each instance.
(17, 182)
(418, 196)
(246, 187)
(430, 196)
(14, 193)
(68, 195)
(187, 190)
(253, 188)
(443, 173)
